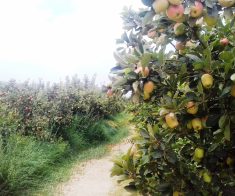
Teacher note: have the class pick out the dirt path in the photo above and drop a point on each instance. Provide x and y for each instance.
(93, 177)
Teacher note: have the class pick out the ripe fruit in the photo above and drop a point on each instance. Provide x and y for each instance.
(148, 87)
(224, 41)
(175, 2)
(197, 124)
(196, 10)
(230, 161)
(206, 177)
(192, 107)
(146, 96)
(171, 120)
(226, 3)
(199, 153)
(179, 46)
(179, 29)
(160, 5)
(210, 20)
(145, 71)
(176, 193)
(207, 81)
(232, 92)
(175, 13)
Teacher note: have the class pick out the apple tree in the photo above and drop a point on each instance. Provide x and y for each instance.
(177, 58)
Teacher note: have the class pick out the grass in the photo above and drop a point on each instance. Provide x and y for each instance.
(63, 170)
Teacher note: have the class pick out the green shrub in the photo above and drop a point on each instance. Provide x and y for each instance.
(25, 162)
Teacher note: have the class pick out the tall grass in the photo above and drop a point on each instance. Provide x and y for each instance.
(27, 164)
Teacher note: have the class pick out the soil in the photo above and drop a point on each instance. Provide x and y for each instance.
(93, 178)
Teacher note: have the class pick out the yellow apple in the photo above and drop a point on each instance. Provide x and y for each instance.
(175, 2)
(206, 177)
(192, 107)
(160, 6)
(229, 161)
(171, 120)
(226, 3)
(207, 81)
(146, 96)
(232, 92)
(210, 20)
(199, 153)
(145, 71)
(148, 87)
(197, 124)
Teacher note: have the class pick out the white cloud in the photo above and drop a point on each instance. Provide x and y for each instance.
(49, 41)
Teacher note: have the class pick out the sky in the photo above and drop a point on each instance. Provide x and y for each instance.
(50, 39)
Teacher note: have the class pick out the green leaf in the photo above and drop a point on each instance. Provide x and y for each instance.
(207, 56)
(194, 57)
(226, 56)
(225, 91)
(144, 134)
(119, 82)
(183, 69)
(127, 182)
(119, 59)
(200, 88)
(223, 120)
(163, 187)
(116, 171)
(157, 154)
(171, 157)
(198, 65)
(227, 133)
(148, 17)
(213, 147)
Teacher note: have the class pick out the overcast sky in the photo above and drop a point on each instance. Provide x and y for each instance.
(50, 39)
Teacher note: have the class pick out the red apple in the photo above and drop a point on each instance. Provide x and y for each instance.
(224, 41)
(175, 13)
(196, 10)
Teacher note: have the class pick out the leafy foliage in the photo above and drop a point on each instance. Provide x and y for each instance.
(185, 138)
